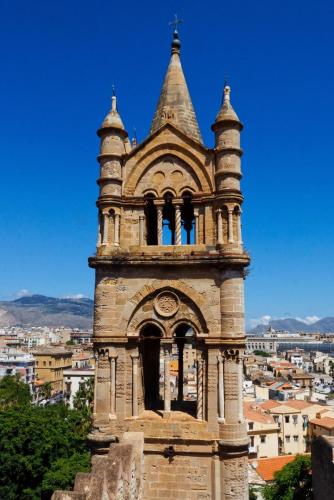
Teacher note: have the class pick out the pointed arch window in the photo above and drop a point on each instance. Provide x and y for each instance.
(188, 219)
(150, 211)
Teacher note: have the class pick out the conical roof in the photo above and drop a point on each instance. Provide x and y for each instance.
(175, 104)
(226, 112)
(113, 118)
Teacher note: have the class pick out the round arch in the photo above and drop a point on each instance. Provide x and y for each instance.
(159, 152)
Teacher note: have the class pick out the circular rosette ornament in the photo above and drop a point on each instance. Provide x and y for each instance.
(166, 304)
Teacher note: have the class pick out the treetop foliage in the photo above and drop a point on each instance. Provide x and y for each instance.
(41, 448)
(293, 482)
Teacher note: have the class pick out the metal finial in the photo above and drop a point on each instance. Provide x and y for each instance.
(134, 139)
(175, 23)
(113, 89)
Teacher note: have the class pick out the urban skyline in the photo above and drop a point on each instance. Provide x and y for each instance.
(56, 86)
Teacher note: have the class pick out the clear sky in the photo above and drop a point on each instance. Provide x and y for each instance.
(58, 62)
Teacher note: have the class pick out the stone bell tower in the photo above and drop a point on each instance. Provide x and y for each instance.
(169, 309)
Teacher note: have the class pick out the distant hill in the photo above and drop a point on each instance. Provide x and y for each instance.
(38, 310)
(324, 325)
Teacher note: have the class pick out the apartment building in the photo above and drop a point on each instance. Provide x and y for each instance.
(50, 365)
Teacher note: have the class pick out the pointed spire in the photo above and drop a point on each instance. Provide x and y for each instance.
(175, 104)
(226, 112)
(113, 119)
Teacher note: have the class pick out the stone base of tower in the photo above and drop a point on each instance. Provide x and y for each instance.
(181, 458)
(162, 455)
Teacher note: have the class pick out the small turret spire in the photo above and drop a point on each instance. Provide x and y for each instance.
(113, 119)
(226, 112)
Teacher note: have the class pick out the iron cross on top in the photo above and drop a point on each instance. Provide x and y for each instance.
(176, 22)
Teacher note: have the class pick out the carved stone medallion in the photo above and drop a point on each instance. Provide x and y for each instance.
(166, 304)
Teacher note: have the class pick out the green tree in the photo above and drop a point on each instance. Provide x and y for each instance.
(262, 353)
(13, 392)
(45, 391)
(63, 471)
(38, 449)
(252, 494)
(83, 401)
(293, 482)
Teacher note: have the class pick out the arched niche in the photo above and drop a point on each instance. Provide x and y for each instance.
(171, 308)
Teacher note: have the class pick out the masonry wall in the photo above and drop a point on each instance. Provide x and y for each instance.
(185, 477)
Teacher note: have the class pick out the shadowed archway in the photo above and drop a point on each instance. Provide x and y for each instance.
(150, 336)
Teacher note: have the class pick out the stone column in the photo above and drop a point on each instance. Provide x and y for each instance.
(105, 229)
(102, 387)
(239, 229)
(220, 238)
(99, 239)
(116, 238)
(160, 220)
(141, 230)
(135, 358)
(196, 214)
(177, 225)
(240, 376)
(230, 225)
(180, 346)
(200, 363)
(113, 358)
(221, 401)
(167, 379)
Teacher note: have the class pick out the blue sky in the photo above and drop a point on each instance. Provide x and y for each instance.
(58, 63)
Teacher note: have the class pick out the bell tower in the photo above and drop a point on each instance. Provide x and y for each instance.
(169, 309)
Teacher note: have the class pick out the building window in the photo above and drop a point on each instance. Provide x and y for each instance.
(295, 419)
(150, 211)
(295, 438)
(168, 222)
(305, 421)
(44, 363)
(276, 420)
(263, 438)
(287, 419)
(252, 441)
(188, 219)
(287, 439)
(250, 426)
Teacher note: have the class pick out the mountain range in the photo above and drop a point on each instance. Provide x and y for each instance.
(39, 310)
(324, 325)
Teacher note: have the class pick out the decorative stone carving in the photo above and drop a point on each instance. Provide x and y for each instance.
(103, 360)
(231, 385)
(166, 304)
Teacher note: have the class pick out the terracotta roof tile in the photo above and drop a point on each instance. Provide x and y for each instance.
(252, 411)
(267, 405)
(326, 422)
(300, 405)
(267, 467)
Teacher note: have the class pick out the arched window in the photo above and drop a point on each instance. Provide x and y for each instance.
(168, 221)
(151, 220)
(188, 219)
(150, 357)
(185, 395)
